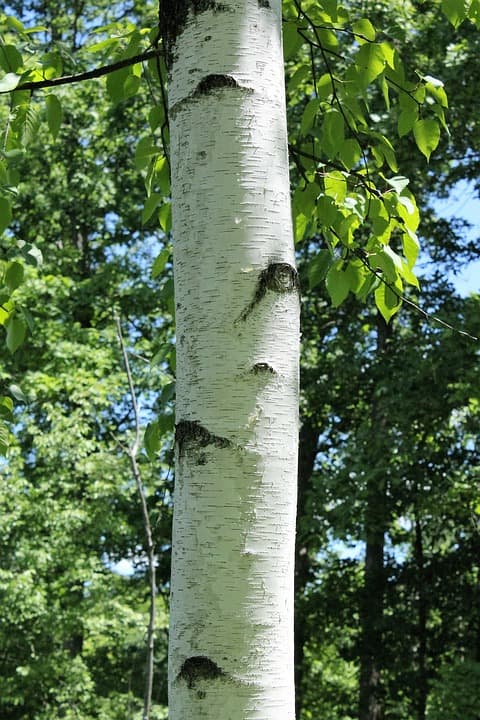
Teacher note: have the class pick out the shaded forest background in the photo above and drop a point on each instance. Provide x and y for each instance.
(388, 545)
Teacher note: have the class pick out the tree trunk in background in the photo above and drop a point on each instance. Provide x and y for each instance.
(308, 448)
(237, 314)
(376, 522)
(422, 619)
(371, 701)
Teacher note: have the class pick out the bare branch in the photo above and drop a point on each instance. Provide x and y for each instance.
(88, 74)
(132, 454)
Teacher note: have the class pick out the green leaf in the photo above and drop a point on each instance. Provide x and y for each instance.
(9, 82)
(390, 54)
(330, 7)
(5, 214)
(355, 272)
(327, 211)
(17, 393)
(292, 41)
(6, 407)
(36, 29)
(350, 153)
(474, 12)
(381, 222)
(152, 439)
(162, 175)
(385, 263)
(436, 88)
(324, 87)
(151, 204)
(440, 114)
(305, 199)
(154, 433)
(6, 309)
(109, 42)
(54, 114)
(364, 29)
(144, 151)
(165, 217)
(32, 255)
(370, 62)
(455, 11)
(427, 136)
(318, 268)
(328, 38)
(387, 301)
(156, 117)
(29, 123)
(385, 92)
(338, 283)
(408, 275)
(398, 183)
(160, 262)
(406, 120)
(308, 116)
(131, 85)
(411, 247)
(333, 132)
(299, 76)
(14, 24)
(386, 150)
(335, 185)
(10, 58)
(116, 82)
(4, 439)
(28, 317)
(408, 211)
(14, 275)
(16, 329)
(300, 226)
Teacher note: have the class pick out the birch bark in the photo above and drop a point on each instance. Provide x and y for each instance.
(237, 315)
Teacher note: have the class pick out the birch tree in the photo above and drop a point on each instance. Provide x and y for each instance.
(237, 315)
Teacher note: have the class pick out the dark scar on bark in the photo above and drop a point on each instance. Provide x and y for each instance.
(278, 277)
(173, 16)
(212, 82)
(263, 4)
(262, 368)
(198, 668)
(192, 431)
(208, 85)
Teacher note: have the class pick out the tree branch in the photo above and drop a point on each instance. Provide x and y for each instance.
(87, 75)
(361, 255)
(132, 454)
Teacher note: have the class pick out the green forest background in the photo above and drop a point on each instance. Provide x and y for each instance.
(388, 544)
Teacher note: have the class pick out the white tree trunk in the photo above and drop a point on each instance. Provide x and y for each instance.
(237, 315)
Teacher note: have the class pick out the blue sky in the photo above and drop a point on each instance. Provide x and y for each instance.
(464, 203)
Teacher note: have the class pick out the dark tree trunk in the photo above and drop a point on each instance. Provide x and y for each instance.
(421, 621)
(371, 696)
(306, 459)
(371, 700)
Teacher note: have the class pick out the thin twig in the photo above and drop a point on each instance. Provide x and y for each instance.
(360, 254)
(132, 454)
